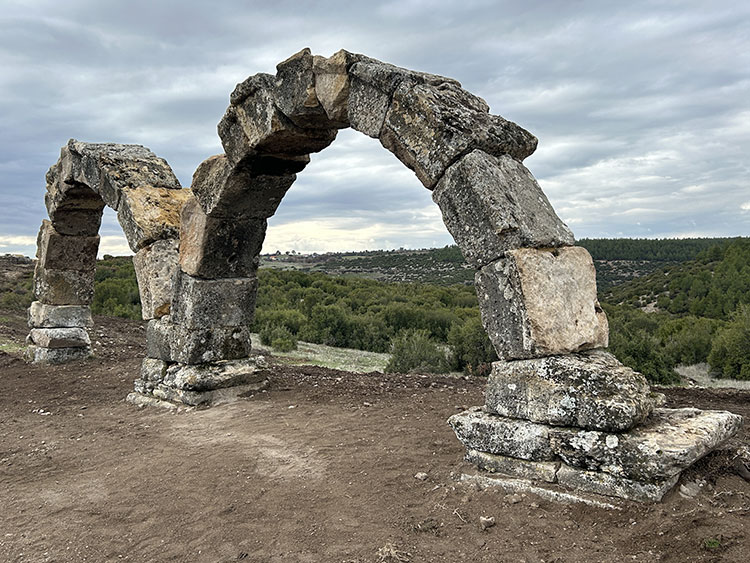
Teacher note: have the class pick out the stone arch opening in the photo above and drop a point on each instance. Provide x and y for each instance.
(144, 192)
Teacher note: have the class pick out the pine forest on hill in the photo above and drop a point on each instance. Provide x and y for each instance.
(669, 302)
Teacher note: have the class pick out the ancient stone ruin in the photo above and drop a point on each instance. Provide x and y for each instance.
(559, 408)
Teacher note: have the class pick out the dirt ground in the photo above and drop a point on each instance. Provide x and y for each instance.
(318, 468)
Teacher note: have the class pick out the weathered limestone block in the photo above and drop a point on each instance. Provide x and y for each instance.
(204, 303)
(63, 287)
(155, 267)
(75, 195)
(371, 86)
(148, 214)
(296, 97)
(40, 355)
(493, 204)
(176, 343)
(52, 316)
(536, 470)
(253, 124)
(541, 302)
(217, 247)
(60, 337)
(614, 486)
(207, 377)
(591, 390)
(332, 86)
(153, 370)
(205, 398)
(429, 127)
(670, 441)
(224, 189)
(64, 252)
(75, 210)
(486, 432)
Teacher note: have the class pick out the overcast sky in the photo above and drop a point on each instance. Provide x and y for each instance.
(642, 109)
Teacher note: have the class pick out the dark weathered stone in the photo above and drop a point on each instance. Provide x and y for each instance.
(669, 442)
(493, 204)
(372, 84)
(217, 247)
(60, 337)
(63, 287)
(537, 302)
(428, 128)
(64, 252)
(177, 343)
(207, 377)
(51, 316)
(155, 267)
(205, 303)
(296, 97)
(487, 432)
(206, 398)
(224, 189)
(591, 390)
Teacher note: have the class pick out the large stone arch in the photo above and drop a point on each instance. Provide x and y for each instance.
(147, 197)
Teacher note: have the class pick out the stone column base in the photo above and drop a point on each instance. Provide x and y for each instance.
(40, 355)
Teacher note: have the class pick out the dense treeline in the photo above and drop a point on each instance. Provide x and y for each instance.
(660, 250)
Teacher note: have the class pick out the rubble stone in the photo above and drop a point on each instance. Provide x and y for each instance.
(155, 267)
(591, 390)
(493, 204)
(429, 127)
(207, 377)
(541, 302)
(60, 337)
(212, 247)
(203, 303)
(42, 315)
(208, 398)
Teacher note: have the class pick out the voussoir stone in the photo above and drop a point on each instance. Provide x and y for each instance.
(332, 86)
(148, 214)
(541, 302)
(591, 390)
(493, 204)
(245, 190)
(488, 432)
(429, 127)
(63, 287)
(296, 96)
(155, 268)
(60, 337)
(64, 252)
(217, 247)
(204, 303)
(667, 443)
(177, 343)
(42, 315)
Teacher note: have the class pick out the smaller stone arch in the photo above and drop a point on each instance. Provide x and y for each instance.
(147, 197)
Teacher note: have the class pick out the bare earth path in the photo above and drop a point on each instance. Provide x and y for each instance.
(318, 468)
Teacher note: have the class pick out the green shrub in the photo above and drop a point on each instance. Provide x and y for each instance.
(687, 340)
(414, 351)
(730, 353)
(471, 349)
(278, 337)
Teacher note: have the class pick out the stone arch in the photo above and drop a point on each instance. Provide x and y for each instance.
(147, 197)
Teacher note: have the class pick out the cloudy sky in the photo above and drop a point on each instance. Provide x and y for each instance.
(642, 109)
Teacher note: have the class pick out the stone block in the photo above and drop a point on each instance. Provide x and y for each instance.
(60, 337)
(216, 375)
(153, 371)
(207, 398)
(493, 204)
(667, 443)
(39, 355)
(176, 343)
(428, 128)
(613, 486)
(372, 84)
(240, 191)
(512, 467)
(156, 266)
(204, 303)
(541, 302)
(63, 287)
(75, 195)
(295, 92)
(332, 86)
(217, 247)
(69, 219)
(148, 214)
(51, 316)
(591, 390)
(486, 432)
(64, 252)
(253, 124)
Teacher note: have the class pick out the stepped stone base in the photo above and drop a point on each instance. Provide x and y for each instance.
(642, 464)
(40, 355)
